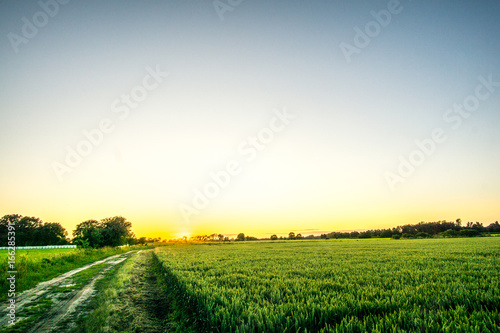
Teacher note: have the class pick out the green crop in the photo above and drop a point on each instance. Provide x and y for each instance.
(445, 285)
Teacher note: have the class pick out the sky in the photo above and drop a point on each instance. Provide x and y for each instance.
(262, 117)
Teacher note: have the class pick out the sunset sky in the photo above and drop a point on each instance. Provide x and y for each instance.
(194, 117)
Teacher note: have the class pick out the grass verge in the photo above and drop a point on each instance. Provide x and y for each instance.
(132, 299)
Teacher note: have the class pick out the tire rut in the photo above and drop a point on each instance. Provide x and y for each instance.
(62, 309)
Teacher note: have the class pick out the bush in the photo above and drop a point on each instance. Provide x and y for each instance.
(450, 233)
(469, 233)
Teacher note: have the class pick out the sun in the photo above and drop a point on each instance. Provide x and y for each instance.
(183, 234)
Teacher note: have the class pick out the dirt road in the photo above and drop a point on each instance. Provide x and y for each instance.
(53, 306)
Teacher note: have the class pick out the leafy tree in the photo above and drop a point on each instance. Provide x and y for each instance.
(299, 236)
(31, 231)
(4, 227)
(274, 237)
(478, 227)
(450, 233)
(88, 233)
(493, 227)
(52, 234)
(26, 231)
(386, 233)
(291, 235)
(116, 231)
(365, 234)
(111, 231)
(469, 232)
(240, 237)
(354, 234)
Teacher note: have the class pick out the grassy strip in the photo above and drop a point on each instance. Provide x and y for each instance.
(37, 266)
(132, 299)
(187, 308)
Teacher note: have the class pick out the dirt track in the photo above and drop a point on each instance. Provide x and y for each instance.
(63, 294)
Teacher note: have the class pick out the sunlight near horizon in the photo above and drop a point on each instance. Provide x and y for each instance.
(259, 123)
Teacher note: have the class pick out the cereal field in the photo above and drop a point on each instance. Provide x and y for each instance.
(449, 285)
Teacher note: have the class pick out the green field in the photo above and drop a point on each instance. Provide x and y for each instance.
(445, 285)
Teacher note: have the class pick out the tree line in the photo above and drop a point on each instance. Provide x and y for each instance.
(116, 231)
(419, 230)
(422, 230)
(32, 231)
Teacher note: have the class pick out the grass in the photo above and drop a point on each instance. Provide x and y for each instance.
(34, 266)
(38, 309)
(445, 285)
(32, 315)
(131, 299)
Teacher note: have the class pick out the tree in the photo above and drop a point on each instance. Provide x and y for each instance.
(291, 235)
(469, 232)
(116, 231)
(31, 231)
(299, 236)
(365, 234)
(274, 237)
(493, 227)
(450, 233)
(111, 231)
(478, 227)
(386, 233)
(88, 233)
(52, 234)
(4, 227)
(240, 237)
(25, 231)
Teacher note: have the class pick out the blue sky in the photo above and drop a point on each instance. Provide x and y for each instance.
(326, 170)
